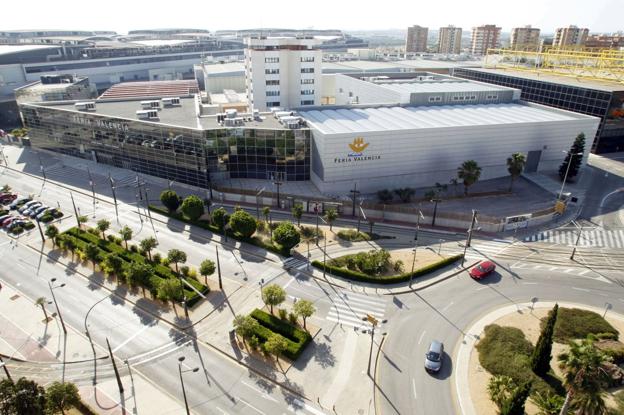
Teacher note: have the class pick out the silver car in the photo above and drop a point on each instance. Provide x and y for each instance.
(433, 358)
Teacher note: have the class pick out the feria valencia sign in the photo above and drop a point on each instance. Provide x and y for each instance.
(356, 154)
(107, 124)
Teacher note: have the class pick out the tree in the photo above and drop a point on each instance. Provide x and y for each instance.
(304, 309)
(41, 302)
(469, 172)
(148, 244)
(219, 217)
(540, 359)
(297, 212)
(276, 344)
(266, 211)
(193, 207)
(138, 273)
(69, 244)
(6, 188)
(52, 232)
(82, 219)
(245, 326)
(22, 397)
(176, 257)
(243, 223)
(170, 200)
(577, 147)
(286, 235)
(548, 404)
(455, 183)
(273, 295)
(92, 252)
(500, 389)
(384, 196)
(61, 396)
(515, 166)
(113, 265)
(206, 268)
(330, 216)
(515, 404)
(102, 226)
(584, 375)
(169, 289)
(126, 234)
(405, 194)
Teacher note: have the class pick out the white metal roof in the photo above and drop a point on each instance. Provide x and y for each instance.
(445, 86)
(357, 120)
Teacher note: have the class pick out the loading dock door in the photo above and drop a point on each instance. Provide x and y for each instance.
(533, 159)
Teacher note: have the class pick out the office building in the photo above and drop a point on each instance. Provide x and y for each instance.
(525, 38)
(56, 88)
(605, 41)
(602, 99)
(570, 36)
(449, 40)
(283, 72)
(416, 39)
(484, 38)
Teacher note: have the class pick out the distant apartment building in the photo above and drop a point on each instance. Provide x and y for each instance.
(484, 38)
(604, 41)
(416, 40)
(449, 39)
(283, 72)
(570, 36)
(526, 37)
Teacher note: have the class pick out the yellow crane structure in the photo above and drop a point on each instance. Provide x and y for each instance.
(596, 64)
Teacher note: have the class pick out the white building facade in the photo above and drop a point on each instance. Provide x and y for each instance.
(484, 38)
(283, 72)
(449, 40)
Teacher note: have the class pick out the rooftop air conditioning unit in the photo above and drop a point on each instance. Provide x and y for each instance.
(170, 101)
(231, 113)
(85, 106)
(147, 114)
(276, 109)
(281, 114)
(150, 105)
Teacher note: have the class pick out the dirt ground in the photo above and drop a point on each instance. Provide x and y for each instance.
(529, 323)
(423, 257)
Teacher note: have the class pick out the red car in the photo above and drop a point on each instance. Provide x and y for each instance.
(482, 269)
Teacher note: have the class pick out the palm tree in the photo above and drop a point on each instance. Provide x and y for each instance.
(148, 244)
(52, 232)
(126, 234)
(102, 226)
(515, 165)
(113, 265)
(266, 211)
(176, 257)
(584, 376)
(297, 212)
(330, 216)
(41, 302)
(469, 172)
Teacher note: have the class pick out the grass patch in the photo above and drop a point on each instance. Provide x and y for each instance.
(81, 238)
(393, 279)
(505, 351)
(574, 323)
(353, 235)
(296, 338)
(254, 240)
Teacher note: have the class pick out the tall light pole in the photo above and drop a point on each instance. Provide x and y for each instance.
(219, 268)
(354, 194)
(195, 369)
(92, 184)
(435, 201)
(112, 358)
(58, 311)
(565, 178)
(469, 236)
(277, 182)
(41, 167)
(6, 370)
(75, 211)
(114, 196)
(578, 239)
(420, 215)
(324, 252)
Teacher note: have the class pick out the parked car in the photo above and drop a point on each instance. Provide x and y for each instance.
(43, 212)
(482, 269)
(28, 205)
(4, 217)
(8, 221)
(16, 223)
(7, 198)
(19, 202)
(31, 209)
(433, 358)
(34, 212)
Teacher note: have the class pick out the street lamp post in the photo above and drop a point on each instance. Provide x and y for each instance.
(435, 210)
(6, 370)
(565, 178)
(324, 252)
(420, 215)
(180, 371)
(219, 268)
(58, 311)
(354, 193)
(112, 358)
(92, 189)
(578, 239)
(277, 182)
(75, 210)
(112, 184)
(469, 236)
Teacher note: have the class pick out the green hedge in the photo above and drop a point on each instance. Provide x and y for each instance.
(82, 238)
(296, 338)
(574, 323)
(254, 240)
(393, 279)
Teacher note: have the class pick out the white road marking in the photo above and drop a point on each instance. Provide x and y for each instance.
(251, 406)
(129, 339)
(448, 306)
(308, 407)
(289, 282)
(421, 336)
(221, 410)
(580, 289)
(261, 392)
(481, 288)
(529, 283)
(414, 388)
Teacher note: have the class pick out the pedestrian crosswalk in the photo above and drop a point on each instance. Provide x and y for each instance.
(294, 263)
(349, 309)
(596, 237)
(486, 248)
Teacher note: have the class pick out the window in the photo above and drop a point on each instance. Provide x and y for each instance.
(273, 104)
(435, 99)
(307, 81)
(307, 59)
(271, 71)
(272, 82)
(307, 70)
(307, 102)
(272, 93)
(307, 92)
(271, 60)
(492, 97)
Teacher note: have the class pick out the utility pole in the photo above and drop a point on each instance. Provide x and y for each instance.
(40, 231)
(41, 167)
(92, 189)
(112, 358)
(469, 236)
(324, 252)
(114, 196)
(420, 215)
(316, 210)
(374, 323)
(277, 182)
(6, 370)
(354, 194)
(578, 239)
(75, 211)
(219, 268)
(435, 210)
(58, 311)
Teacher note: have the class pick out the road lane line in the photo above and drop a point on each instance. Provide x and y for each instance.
(251, 406)
(129, 339)
(414, 388)
(529, 283)
(584, 272)
(289, 282)
(448, 306)
(261, 392)
(307, 407)
(580, 289)
(421, 336)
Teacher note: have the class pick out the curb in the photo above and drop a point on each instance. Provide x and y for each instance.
(375, 400)
(432, 283)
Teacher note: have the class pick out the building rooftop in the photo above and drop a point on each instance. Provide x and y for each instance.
(8, 49)
(556, 79)
(360, 120)
(151, 89)
(444, 86)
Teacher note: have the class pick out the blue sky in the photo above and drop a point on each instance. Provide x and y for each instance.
(121, 16)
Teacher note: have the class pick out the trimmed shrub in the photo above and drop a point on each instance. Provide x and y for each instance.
(29, 225)
(170, 200)
(193, 207)
(353, 235)
(283, 314)
(296, 338)
(243, 223)
(133, 248)
(574, 323)
(393, 279)
(157, 258)
(17, 230)
(286, 235)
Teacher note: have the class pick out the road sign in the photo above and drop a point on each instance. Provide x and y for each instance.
(371, 319)
(560, 206)
(515, 222)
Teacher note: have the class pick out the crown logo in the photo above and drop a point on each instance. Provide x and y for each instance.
(358, 145)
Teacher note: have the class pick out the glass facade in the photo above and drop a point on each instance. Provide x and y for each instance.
(599, 103)
(186, 155)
